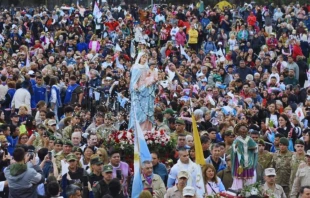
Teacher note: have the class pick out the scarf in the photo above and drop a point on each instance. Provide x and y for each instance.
(149, 179)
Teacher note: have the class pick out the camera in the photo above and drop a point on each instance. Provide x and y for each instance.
(119, 174)
(31, 154)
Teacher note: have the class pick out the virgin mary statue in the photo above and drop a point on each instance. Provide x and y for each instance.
(142, 91)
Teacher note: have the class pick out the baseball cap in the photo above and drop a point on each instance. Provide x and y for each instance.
(270, 171)
(183, 174)
(68, 143)
(298, 141)
(308, 153)
(71, 157)
(96, 161)
(169, 111)
(107, 168)
(52, 137)
(77, 149)
(188, 191)
(179, 121)
(58, 141)
(261, 141)
(51, 122)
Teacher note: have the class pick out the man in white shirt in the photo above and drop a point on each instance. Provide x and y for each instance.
(173, 32)
(185, 164)
(3, 88)
(22, 97)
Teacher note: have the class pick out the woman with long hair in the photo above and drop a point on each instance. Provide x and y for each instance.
(213, 183)
(284, 125)
(23, 139)
(103, 155)
(307, 139)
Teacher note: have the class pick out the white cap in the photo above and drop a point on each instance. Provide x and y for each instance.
(270, 171)
(200, 74)
(308, 153)
(189, 191)
(31, 72)
(108, 78)
(220, 43)
(51, 122)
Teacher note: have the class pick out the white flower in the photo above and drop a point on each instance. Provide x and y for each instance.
(148, 142)
(156, 142)
(146, 137)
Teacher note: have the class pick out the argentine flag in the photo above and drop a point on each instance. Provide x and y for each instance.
(141, 154)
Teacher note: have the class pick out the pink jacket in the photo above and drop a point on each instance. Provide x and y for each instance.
(180, 38)
(91, 43)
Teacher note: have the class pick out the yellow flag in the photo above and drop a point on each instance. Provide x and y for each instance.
(199, 158)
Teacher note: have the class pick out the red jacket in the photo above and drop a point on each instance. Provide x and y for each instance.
(112, 25)
(251, 19)
(272, 43)
(296, 51)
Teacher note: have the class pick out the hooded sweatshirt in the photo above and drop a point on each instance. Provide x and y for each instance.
(23, 180)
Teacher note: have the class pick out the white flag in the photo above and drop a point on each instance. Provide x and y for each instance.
(154, 10)
(118, 48)
(300, 113)
(184, 53)
(96, 13)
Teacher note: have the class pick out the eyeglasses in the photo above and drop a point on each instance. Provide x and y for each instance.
(271, 176)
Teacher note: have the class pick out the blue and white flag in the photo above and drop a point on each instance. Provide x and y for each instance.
(141, 154)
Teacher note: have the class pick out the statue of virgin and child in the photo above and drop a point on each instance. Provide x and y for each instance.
(142, 91)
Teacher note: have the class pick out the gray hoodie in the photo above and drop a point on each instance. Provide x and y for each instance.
(23, 180)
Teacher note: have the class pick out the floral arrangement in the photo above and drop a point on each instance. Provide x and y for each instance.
(121, 140)
(253, 189)
(157, 141)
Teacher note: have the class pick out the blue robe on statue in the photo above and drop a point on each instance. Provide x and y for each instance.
(142, 96)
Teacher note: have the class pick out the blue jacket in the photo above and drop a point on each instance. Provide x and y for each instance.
(205, 22)
(219, 137)
(307, 23)
(12, 143)
(38, 94)
(209, 46)
(82, 46)
(161, 170)
(222, 165)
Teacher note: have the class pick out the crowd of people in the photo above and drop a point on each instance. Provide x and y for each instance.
(71, 76)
